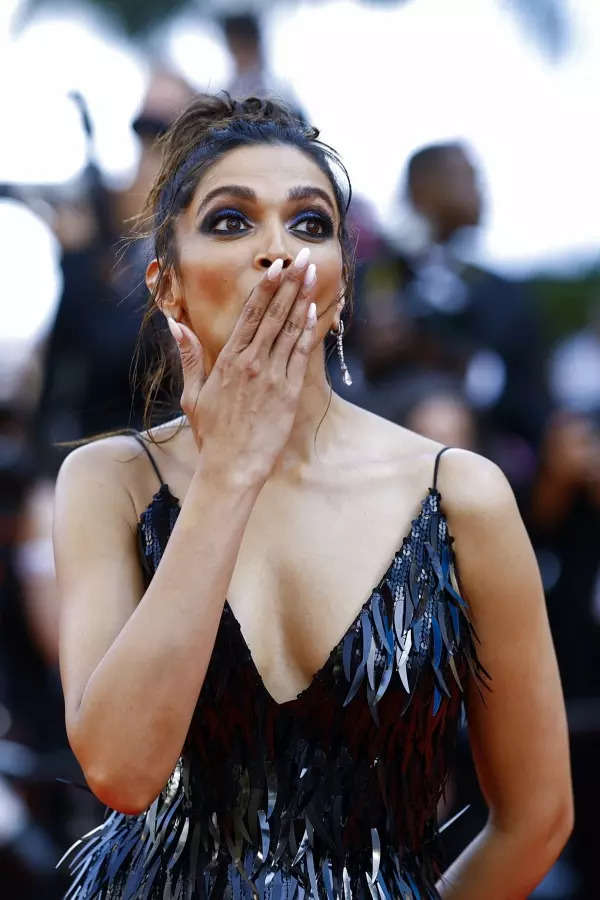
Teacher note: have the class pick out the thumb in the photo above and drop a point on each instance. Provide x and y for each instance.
(190, 352)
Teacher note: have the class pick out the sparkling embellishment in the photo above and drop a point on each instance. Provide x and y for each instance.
(331, 796)
(339, 337)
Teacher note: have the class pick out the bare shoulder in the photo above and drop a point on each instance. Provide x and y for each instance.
(473, 488)
(119, 466)
(106, 471)
(102, 461)
(491, 542)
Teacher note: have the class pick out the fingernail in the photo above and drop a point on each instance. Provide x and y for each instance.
(175, 329)
(310, 276)
(302, 258)
(274, 269)
(312, 313)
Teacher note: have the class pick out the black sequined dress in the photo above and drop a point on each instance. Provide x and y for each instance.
(331, 795)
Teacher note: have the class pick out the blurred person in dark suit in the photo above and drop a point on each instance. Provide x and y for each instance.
(564, 513)
(564, 523)
(37, 814)
(87, 379)
(423, 309)
(252, 76)
(564, 518)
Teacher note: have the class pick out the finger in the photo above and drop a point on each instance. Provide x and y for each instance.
(294, 324)
(191, 355)
(254, 308)
(303, 348)
(278, 309)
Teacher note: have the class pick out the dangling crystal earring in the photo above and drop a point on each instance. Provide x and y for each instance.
(339, 336)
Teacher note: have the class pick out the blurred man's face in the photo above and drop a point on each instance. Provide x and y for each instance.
(448, 194)
(459, 190)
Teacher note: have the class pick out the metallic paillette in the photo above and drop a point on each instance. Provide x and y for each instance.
(332, 795)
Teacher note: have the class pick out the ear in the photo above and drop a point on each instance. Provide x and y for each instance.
(152, 270)
(169, 299)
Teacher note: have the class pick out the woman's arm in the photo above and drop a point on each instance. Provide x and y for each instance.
(133, 663)
(518, 734)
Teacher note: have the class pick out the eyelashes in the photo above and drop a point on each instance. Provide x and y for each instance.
(235, 222)
(231, 222)
(312, 218)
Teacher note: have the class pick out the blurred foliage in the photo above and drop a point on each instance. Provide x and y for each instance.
(545, 20)
(565, 304)
(135, 16)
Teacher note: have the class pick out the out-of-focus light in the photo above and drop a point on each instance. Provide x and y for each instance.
(31, 283)
(31, 277)
(45, 143)
(197, 50)
(8, 13)
(406, 74)
(429, 71)
(53, 56)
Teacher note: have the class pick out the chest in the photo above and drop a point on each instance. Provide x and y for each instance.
(307, 564)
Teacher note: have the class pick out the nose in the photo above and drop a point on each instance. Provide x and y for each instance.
(273, 247)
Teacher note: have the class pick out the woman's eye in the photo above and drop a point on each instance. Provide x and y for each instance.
(229, 224)
(314, 226)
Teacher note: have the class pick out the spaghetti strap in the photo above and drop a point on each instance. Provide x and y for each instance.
(437, 465)
(142, 444)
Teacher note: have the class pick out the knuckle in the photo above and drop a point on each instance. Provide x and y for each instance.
(272, 378)
(277, 309)
(251, 365)
(290, 327)
(294, 274)
(253, 313)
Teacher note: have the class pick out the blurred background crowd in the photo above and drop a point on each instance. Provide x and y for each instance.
(469, 132)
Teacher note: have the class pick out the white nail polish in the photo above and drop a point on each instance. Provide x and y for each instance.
(312, 313)
(274, 269)
(302, 258)
(311, 275)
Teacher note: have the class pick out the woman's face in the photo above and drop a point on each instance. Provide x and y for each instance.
(254, 205)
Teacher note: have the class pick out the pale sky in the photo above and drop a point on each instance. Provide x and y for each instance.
(379, 80)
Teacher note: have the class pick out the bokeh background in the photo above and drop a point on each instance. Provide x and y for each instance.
(470, 132)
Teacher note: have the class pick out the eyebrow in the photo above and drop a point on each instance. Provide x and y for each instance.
(303, 192)
(307, 191)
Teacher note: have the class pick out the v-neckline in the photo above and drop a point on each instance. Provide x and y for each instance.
(321, 671)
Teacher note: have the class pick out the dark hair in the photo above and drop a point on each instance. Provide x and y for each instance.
(208, 129)
(242, 25)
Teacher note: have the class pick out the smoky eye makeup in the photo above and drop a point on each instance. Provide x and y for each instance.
(310, 223)
(224, 221)
(318, 224)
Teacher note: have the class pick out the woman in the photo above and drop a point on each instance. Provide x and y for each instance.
(241, 755)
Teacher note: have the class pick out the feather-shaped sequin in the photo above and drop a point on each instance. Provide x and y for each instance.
(331, 796)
